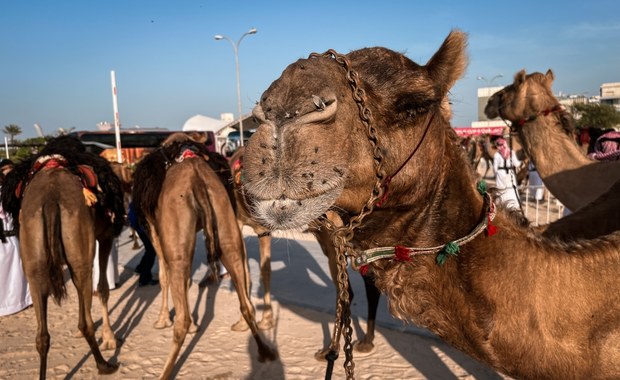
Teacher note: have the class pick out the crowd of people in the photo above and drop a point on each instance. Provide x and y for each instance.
(509, 163)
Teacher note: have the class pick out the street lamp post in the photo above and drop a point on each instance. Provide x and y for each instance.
(236, 50)
(489, 82)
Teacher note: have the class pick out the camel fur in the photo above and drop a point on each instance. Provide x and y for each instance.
(528, 306)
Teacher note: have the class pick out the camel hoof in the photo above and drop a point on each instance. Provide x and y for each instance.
(162, 324)
(321, 355)
(193, 328)
(107, 368)
(266, 324)
(240, 326)
(108, 345)
(363, 347)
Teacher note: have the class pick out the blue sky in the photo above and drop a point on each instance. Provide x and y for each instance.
(56, 56)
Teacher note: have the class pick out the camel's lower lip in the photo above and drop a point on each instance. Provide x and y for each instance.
(286, 214)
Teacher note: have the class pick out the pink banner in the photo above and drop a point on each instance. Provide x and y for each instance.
(464, 132)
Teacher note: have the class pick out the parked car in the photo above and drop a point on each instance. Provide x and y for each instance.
(233, 141)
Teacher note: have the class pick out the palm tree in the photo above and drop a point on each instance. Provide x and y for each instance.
(12, 130)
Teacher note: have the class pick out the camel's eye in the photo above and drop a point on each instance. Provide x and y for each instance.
(321, 103)
(318, 102)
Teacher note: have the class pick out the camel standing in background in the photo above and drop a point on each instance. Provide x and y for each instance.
(483, 152)
(176, 194)
(446, 257)
(545, 130)
(64, 199)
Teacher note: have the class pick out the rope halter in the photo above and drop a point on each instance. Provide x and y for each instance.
(444, 251)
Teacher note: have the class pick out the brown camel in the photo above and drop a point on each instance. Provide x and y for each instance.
(64, 199)
(332, 126)
(481, 150)
(176, 194)
(545, 130)
(245, 218)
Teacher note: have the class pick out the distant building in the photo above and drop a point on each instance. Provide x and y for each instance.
(484, 93)
(568, 100)
(484, 125)
(610, 94)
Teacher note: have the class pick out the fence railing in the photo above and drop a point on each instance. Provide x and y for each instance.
(539, 205)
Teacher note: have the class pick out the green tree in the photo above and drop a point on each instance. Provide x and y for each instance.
(29, 147)
(12, 130)
(603, 116)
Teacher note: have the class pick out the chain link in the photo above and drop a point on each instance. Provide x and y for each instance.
(343, 235)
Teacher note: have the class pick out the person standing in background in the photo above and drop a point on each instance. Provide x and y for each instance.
(148, 259)
(14, 289)
(505, 162)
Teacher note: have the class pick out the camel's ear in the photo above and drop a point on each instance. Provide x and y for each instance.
(519, 78)
(549, 77)
(448, 64)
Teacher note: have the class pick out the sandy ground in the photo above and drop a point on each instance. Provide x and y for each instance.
(303, 306)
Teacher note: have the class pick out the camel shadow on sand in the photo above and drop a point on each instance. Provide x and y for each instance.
(301, 280)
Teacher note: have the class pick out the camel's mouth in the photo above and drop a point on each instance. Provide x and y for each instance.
(288, 214)
(492, 108)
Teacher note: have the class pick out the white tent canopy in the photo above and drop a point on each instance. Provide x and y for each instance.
(204, 123)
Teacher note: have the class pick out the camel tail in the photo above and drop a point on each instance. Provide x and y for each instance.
(209, 225)
(210, 232)
(51, 221)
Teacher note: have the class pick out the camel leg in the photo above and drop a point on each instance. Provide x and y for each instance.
(179, 276)
(35, 263)
(163, 320)
(235, 261)
(324, 240)
(334, 344)
(267, 322)
(108, 337)
(39, 301)
(241, 324)
(365, 345)
(82, 279)
(264, 242)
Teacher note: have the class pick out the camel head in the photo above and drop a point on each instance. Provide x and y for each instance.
(313, 151)
(527, 96)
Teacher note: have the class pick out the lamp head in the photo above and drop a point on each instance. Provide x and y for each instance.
(218, 37)
(252, 31)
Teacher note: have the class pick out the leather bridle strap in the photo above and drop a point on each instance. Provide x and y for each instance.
(556, 108)
(388, 179)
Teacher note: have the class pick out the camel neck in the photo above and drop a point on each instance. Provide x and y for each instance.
(565, 170)
(550, 146)
(411, 216)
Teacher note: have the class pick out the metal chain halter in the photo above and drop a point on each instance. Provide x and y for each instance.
(343, 235)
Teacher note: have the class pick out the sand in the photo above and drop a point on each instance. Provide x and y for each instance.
(216, 352)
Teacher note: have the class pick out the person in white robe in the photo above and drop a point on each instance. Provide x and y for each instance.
(505, 162)
(14, 289)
